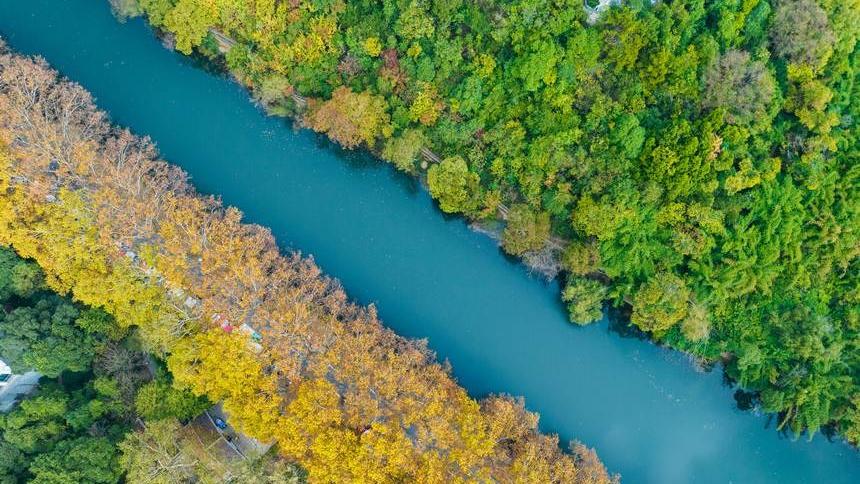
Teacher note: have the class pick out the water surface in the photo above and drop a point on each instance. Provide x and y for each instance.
(651, 416)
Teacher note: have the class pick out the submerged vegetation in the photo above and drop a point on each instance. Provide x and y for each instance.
(694, 159)
(291, 359)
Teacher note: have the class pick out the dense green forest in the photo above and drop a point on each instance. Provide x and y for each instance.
(277, 344)
(695, 161)
(67, 430)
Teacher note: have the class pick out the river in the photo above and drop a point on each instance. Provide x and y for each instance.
(649, 413)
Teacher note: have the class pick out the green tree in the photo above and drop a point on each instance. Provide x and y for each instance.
(273, 90)
(18, 277)
(12, 462)
(159, 400)
(96, 321)
(404, 150)
(37, 423)
(660, 303)
(99, 403)
(584, 298)
(44, 337)
(623, 38)
(413, 22)
(190, 20)
(538, 67)
(85, 459)
(525, 230)
(453, 185)
(808, 98)
(628, 135)
(581, 258)
(156, 10)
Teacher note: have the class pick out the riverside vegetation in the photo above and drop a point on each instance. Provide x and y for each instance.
(338, 393)
(695, 161)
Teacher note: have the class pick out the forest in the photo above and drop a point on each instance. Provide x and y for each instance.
(693, 162)
(104, 409)
(157, 269)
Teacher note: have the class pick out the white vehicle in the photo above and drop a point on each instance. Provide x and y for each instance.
(13, 385)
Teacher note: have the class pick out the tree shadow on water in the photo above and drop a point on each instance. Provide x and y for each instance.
(619, 323)
(360, 159)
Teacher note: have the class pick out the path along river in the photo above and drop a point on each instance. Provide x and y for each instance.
(648, 412)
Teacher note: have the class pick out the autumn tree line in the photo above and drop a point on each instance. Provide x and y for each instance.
(692, 161)
(124, 232)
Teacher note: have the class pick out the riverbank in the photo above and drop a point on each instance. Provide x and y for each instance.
(428, 274)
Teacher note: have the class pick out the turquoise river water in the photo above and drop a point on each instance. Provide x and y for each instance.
(649, 413)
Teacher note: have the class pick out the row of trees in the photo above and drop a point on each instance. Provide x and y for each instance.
(339, 393)
(698, 159)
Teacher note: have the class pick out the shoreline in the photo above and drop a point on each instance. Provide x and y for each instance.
(493, 228)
